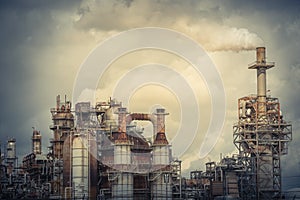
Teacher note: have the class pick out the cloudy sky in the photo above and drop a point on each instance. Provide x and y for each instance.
(44, 44)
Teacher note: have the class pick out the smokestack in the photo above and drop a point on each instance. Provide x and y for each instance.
(122, 119)
(261, 73)
(261, 54)
(160, 113)
(160, 137)
(261, 66)
(122, 112)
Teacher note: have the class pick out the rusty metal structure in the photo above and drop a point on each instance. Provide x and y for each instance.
(261, 136)
(130, 165)
(99, 152)
(63, 129)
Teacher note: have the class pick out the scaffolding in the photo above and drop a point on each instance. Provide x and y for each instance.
(261, 136)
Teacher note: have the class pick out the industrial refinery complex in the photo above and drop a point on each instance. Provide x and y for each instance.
(98, 152)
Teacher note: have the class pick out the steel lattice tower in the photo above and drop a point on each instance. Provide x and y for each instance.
(261, 136)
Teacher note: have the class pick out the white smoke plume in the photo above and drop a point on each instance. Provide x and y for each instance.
(188, 17)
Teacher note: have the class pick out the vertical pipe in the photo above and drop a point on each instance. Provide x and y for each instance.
(180, 181)
(57, 102)
(122, 119)
(160, 112)
(261, 80)
(160, 137)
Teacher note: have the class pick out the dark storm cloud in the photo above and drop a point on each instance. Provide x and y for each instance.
(201, 20)
(40, 5)
(127, 14)
(26, 27)
(278, 23)
(262, 6)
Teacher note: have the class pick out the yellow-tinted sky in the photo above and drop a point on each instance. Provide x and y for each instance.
(44, 43)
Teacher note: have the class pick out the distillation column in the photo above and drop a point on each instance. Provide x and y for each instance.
(161, 185)
(123, 179)
(63, 126)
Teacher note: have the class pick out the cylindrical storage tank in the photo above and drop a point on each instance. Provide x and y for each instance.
(161, 187)
(123, 187)
(80, 168)
(122, 154)
(161, 155)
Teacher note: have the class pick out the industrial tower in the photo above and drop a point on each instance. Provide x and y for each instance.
(62, 127)
(261, 135)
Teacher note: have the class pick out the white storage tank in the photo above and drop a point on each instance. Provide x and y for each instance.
(80, 167)
(161, 155)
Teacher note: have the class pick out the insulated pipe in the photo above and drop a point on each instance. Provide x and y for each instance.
(142, 117)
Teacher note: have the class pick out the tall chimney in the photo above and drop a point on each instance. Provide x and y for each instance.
(261, 66)
(160, 137)
(261, 73)
(122, 138)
